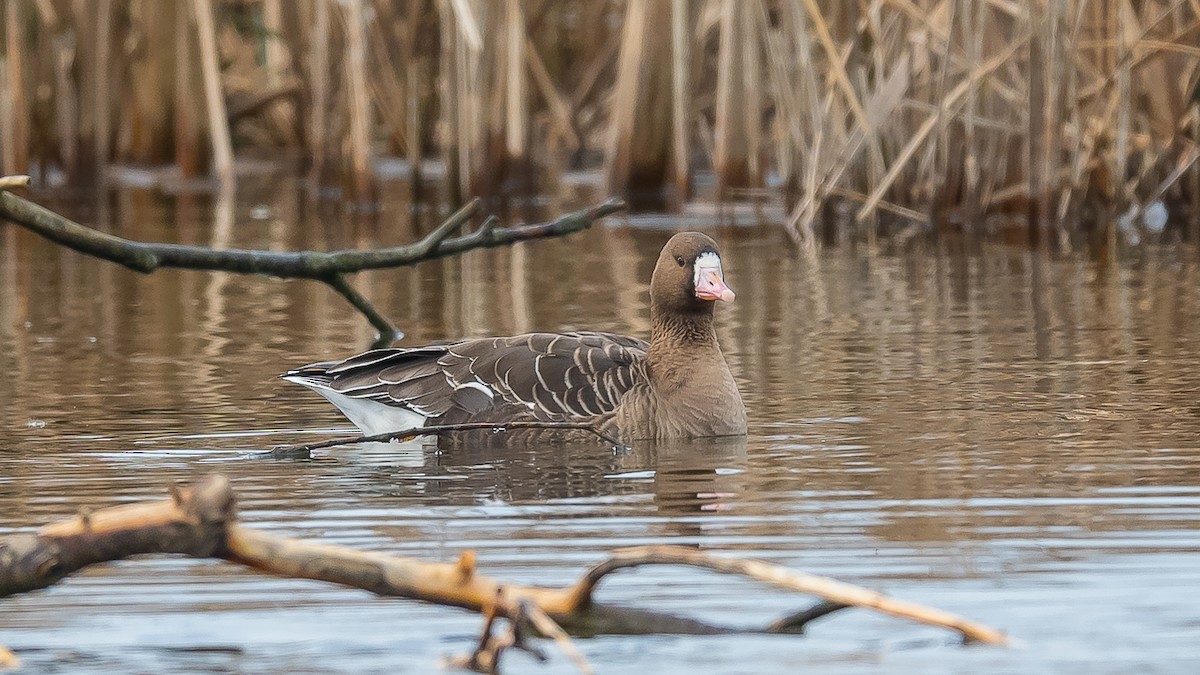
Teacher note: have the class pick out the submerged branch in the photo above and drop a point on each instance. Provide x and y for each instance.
(303, 451)
(201, 522)
(522, 617)
(837, 594)
(328, 267)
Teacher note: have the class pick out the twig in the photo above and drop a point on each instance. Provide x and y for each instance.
(387, 332)
(829, 589)
(328, 267)
(550, 628)
(491, 647)
(485, 658)
(303, 451)
(795, 623)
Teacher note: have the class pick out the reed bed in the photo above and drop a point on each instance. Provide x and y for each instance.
(1044, 121)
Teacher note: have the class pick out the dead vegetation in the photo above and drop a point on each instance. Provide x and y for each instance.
(201, 521)
(1034, 119)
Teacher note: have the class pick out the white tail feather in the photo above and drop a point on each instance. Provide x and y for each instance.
(371, 417)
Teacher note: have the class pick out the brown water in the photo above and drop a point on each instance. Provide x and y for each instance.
(1011, 438)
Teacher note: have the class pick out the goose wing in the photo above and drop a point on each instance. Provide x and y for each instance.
(543, 376)
(549, 376)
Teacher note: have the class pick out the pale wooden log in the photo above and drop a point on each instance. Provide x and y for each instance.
(201, 522)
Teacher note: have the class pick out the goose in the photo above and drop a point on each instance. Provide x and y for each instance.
(677, 385)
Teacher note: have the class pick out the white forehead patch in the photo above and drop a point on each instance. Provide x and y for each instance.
(706, 261)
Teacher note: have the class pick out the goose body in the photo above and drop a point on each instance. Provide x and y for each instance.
(677, 385)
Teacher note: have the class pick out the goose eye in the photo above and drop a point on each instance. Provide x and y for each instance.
(680, 261)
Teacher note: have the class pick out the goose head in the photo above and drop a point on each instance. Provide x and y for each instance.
(688, 278)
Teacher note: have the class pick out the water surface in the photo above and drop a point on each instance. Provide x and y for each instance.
(1005, 436)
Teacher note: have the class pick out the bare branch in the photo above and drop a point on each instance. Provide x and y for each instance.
(201, 522)
(328, 267)
(388, 333)
(830, 589)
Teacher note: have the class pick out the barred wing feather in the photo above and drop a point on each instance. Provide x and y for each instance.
(542, 376)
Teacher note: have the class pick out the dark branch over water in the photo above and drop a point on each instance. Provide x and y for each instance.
(328, 267)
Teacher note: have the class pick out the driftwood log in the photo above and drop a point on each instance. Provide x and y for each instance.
(329, 267)
(202, 522)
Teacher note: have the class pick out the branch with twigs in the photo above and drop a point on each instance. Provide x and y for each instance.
(329, 267)
(523, 618)
(305, 451)
(201, 521)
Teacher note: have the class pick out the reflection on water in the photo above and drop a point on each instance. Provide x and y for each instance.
(1009, 437)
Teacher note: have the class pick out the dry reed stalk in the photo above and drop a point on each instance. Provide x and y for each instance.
(680, 97)
(830, 170)
(66, 111)
(973, 20)
(467, 98)
(943, 182)
(387, 88)
(1195, 185)
(910, 214)
(737, 129)
(826, 170)
(560, 110)
(282, 119)
(146, 119)
(413, 121)
(187, 124)
(837, 67)
(214, 97)
(1059, 65)
(1187, 158)
(7, 142)
(752, 101)
(1125, 23)
(101, 73)
(274, 52)
(1079, 144)
(359, 104)
(318, 140)
(515, 122)
(785, 88)
(799, 226)
(640, 146)
(588, 87)
(1035, 20)
(918, 137)
(448, 95)
(16, 133)
(625, 93)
